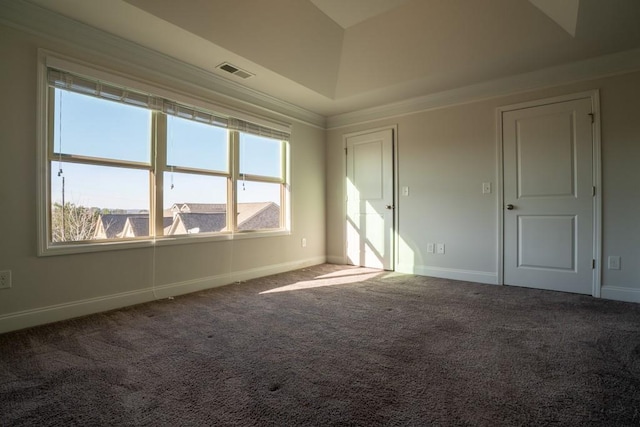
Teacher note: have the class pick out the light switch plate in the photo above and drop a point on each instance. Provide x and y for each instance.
(430, 248)
(486, 188)
(614, 263)
(440, 248)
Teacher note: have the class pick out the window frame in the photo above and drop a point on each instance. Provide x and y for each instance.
(157, 167)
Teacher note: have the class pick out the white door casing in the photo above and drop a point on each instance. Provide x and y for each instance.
(370, 199)
(548, 196)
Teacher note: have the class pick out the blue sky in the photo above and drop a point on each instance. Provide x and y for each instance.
(88, 126)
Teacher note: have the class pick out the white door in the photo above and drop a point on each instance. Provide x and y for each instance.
(548, 196)
(370, 199)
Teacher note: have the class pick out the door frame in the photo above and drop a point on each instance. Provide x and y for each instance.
(594, 96)
(394, 166)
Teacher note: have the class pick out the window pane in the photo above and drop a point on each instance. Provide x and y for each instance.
(258, 205)
(260, 156)
(196, 145)
(100, 202)
(194, 203)
(88, 126)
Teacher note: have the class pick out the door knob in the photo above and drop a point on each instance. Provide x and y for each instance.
(389, 206)
(510, 207)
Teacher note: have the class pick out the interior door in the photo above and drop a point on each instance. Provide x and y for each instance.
(370, 199)
(548, 196)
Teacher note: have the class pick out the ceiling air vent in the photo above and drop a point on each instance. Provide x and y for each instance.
(225, 66)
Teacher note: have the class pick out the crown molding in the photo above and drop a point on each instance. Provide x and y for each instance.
(603, 66)
(41, 22)
(44, 23)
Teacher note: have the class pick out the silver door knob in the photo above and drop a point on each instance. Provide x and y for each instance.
(510, 207)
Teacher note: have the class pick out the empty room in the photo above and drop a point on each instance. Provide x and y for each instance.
(320, 212)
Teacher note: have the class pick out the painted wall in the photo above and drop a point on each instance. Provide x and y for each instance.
(50, 288)
(445, 154)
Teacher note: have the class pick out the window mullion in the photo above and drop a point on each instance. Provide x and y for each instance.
(195, 171)
(260, 178)
(98, 161)
(51, 111)
(283, 175)
(283, 162)
(232, 195)
(159, 159)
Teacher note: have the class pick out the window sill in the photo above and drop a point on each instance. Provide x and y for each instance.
(111, 245)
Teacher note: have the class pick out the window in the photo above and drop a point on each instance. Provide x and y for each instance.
(125, 166)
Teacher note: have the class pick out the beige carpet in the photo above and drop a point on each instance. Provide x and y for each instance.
(330, 345)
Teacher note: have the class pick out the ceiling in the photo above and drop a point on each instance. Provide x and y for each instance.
(351, 12)
(337, 56)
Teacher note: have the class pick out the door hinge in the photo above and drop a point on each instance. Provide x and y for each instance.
(593, 263)
(345, 151)
(592, 117)
(593, 191)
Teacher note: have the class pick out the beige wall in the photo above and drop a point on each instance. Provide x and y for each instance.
(49, 288)
(445, 154)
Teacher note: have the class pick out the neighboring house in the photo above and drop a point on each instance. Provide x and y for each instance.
(190, 218)
(199, 207)
(193, 223)
(138, 226)
(110, 226)
(258, 216)
(251, 216)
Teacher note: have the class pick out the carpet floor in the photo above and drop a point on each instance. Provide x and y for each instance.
(333, 345)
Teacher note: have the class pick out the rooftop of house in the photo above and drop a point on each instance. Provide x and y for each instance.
(184, 218)
(199, 222)
(110, 226)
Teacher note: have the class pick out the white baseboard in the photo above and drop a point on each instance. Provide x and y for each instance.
(449, 273)
(339, 260)
(620, 294)
(55, 313)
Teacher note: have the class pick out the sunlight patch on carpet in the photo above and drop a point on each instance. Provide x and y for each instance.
(333, 279)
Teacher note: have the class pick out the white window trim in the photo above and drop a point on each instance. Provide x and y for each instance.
(48, 59)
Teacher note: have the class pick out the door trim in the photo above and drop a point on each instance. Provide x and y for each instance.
(594, 96)
(343, 205)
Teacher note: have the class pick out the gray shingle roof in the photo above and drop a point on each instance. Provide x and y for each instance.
(191, 218)
(200, 222)
(139, 226)
(259, 216)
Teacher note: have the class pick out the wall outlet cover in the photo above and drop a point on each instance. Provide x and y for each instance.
(5, 279)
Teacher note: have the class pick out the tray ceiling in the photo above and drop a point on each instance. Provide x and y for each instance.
(333, 56)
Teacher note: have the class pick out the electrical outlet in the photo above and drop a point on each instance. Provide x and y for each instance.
(440, 248)
(5, 279)
(304, 242)
(614, 263)
(430, 248)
